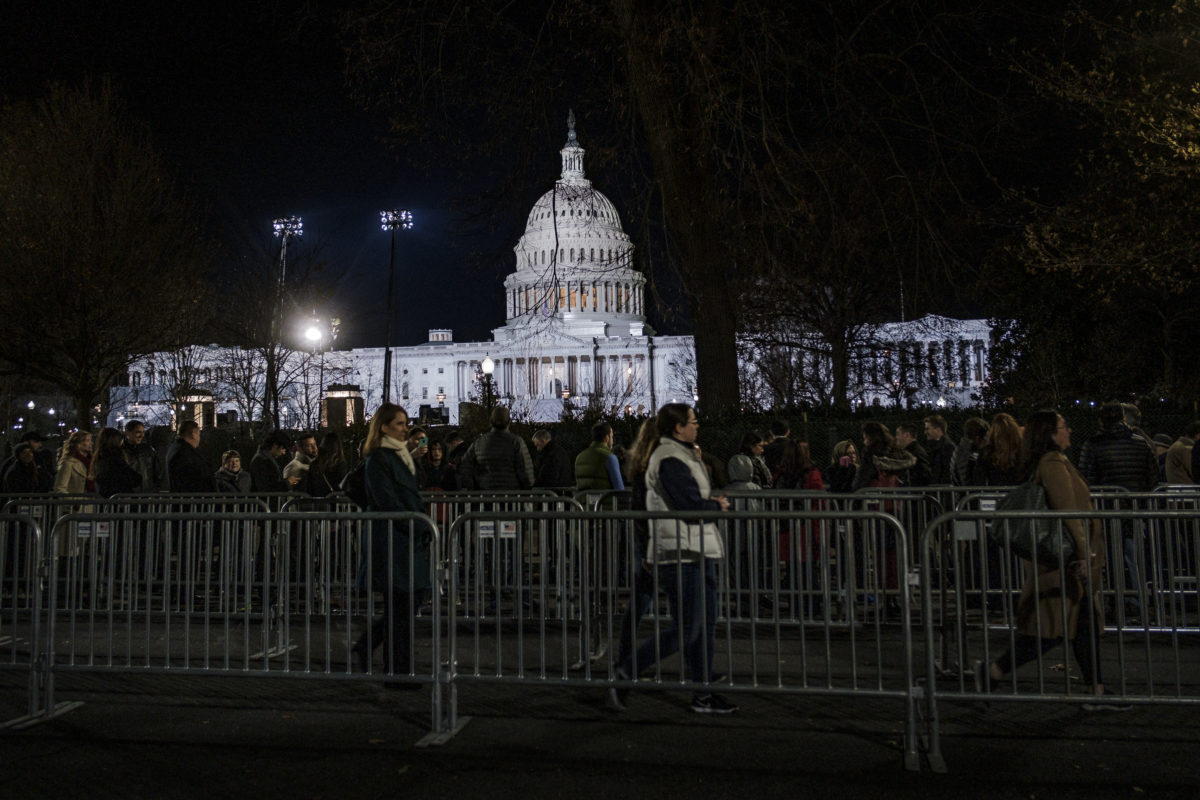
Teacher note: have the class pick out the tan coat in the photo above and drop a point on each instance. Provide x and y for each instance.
(1179, 461)
(1057, 606)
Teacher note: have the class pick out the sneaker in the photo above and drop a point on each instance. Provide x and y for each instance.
(712, 704)
(616, 697)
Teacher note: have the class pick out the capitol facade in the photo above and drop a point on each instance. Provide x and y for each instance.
(575, 336)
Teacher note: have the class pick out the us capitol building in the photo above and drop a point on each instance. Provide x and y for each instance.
(575, 335)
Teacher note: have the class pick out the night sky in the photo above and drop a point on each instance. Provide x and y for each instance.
(254, 113)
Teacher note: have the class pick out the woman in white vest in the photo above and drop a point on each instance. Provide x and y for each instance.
(684, 555)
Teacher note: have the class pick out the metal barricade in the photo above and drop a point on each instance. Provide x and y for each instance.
(915, 508)
(800, 565)
(247, 611)
(1152, 664)
(870, 657)
(21, 621)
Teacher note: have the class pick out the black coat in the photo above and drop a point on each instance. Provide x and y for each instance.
(554, 468)
(186, 471)
(19, 479)
(114, 475)
(266, 475)
(1119, 456)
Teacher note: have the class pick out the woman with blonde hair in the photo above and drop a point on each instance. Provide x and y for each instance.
(386, 565)
(74, 464)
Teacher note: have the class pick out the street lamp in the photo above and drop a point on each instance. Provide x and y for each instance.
(394, 220)
(441, 398)
(487, 367)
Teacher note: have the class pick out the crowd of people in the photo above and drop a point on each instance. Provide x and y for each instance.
(989, 453)
(664, 470)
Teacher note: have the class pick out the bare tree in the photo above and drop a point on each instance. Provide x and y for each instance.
(96, 244)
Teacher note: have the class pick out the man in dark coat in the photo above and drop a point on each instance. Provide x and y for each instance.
(553, 466)
(940, 448)
(266, 473)
(187, 471)
(142, 457)
(773, 452)
(906, 439)
(497, 460)
(1120, 456)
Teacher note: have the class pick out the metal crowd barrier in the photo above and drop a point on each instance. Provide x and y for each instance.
(23, 637)
(1145, 660)
(247, 610)
(870, 657)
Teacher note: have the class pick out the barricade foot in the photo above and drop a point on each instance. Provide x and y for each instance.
(937, 763)
(278, 651)
(437, 738)
(29, 720)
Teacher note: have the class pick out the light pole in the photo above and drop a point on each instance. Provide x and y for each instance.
(391, 221)
(441, 396)
(487, 367)
(321, 335)
(285, 228)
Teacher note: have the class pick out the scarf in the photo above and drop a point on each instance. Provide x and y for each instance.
(400, 449)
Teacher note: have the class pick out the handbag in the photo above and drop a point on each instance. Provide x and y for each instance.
(1049, 539)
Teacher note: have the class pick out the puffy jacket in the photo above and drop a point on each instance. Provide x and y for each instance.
(591, 471)
(1118, 456)
(673, 541)
(497, 460)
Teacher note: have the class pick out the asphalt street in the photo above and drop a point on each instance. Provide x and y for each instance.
(158, 736)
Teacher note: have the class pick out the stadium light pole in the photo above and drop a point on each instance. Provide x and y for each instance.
(285, 229)
(394, 220)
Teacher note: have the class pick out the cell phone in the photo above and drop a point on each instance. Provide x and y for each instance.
(424, 440)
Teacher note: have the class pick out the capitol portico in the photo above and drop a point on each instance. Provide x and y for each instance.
(575, 334)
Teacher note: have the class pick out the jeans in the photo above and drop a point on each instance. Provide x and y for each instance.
(692, 596)
(1131, 543)
(639, 603)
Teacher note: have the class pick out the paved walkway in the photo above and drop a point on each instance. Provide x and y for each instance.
(195, 736)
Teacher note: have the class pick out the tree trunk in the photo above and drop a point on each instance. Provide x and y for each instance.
(680, 151)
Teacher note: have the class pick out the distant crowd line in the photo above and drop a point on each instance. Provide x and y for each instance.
(987, 454)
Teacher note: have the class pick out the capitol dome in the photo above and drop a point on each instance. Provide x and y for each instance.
(574, 261)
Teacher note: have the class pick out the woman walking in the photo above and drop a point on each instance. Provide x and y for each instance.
(684, 555)
(395, 553)
(1057, 602)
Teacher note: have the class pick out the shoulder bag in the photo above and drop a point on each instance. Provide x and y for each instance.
(1049, 539)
